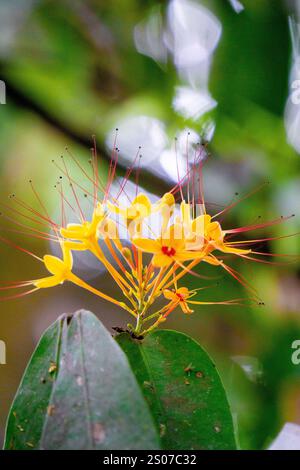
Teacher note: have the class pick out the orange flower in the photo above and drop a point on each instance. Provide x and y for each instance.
(179, 245)
(169, 248)
(61, 270)
(179, 297)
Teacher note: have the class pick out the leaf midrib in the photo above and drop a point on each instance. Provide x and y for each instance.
(86, 387)
(152, 381)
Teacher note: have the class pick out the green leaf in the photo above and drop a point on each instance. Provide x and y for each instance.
(183, 389)
(27, 414)
(94, 401)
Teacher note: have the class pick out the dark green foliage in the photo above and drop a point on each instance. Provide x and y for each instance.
(183, 389)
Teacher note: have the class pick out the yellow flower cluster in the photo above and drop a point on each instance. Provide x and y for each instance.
(146, 260)
(183, 242)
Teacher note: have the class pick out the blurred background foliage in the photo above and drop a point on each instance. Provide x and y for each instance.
(156, 69)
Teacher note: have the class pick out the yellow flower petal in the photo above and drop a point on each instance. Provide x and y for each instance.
(185, 308)
(183, 291)
(53, 264)
(214, 231)
(174, 237)
(228, 249)
(161, 260)
(74, 227)
(114, 208)
(76, 246)
(143, 200)
(169, 295)
(201, 224)
(188, 255)
(46, 282)
(185, 210)
(147, 244)
(108, 229)
(75, 232)
(168, 199)
(67, 257)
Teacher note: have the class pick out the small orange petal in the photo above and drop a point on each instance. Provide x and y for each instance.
(170, 295)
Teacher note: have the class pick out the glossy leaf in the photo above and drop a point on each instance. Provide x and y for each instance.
(27, 414)
(79, 392)
(183, 389)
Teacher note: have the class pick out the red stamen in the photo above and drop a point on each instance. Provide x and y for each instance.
(137, 174)
(39, 199)
(128, 173)
(24, 205)
(17, 296)
(254, 191)
(177, 166)
(73, 191)
(8, 242)
(168, 250)
(247, 228)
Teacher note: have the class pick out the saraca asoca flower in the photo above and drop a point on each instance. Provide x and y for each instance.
(153, 258)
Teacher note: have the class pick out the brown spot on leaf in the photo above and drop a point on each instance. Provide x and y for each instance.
(52, 367)
(162, 429)
(50, 410)
(188, 369)
(148, 385)
(199, 374)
